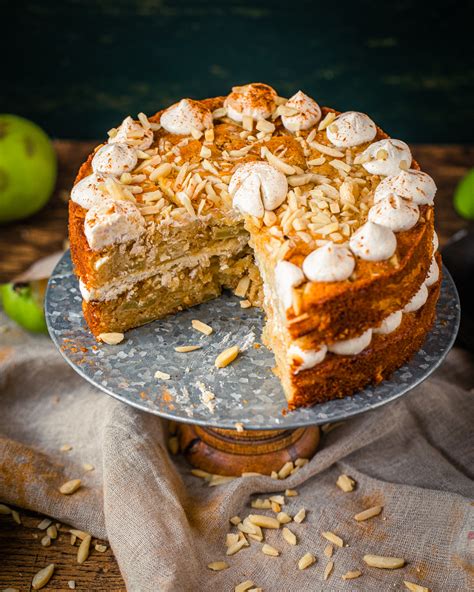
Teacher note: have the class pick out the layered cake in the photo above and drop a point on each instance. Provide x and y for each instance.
(316, 216)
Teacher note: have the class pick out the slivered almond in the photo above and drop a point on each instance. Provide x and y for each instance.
(289, 536)
(5, 510)
(277, 162)
(184, 349)
(202, 327)
(43, 525)
(247, 123)
(205, 152)
(326, 121)
(300, 516)
(46, 541)
(269, 550)
(301, 462)
(162, 375)
(111, 338)
(42, 577)
(173, 445)
(242, 287)
(244, 586)
(285, 470)
(352, 575)
(345, 483)
(382, 562)
(218, 565)
(283, 518)
(291, 493)
(80, 534)
(326, 149)
(328, 570)
(265, 126)
(83, 551)
(328, 551)
(70, 487)
(278, 499)
(236, 547)
(100, 548)
(52, 532)
(307, 560)
(235, 520)
(264, 521)
(369, 513)
(333, 538)
(226, 357)
(261, 504)
(415, 587)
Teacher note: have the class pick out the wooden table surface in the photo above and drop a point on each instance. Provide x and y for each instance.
(22, 243)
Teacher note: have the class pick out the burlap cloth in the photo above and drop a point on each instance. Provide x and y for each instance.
(415, 457)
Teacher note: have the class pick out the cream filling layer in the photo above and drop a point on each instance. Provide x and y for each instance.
(166, 271)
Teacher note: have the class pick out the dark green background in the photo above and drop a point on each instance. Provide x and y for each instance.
(77, 67)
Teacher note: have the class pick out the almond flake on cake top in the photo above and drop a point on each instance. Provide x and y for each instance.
(255, 100)
(373, 242)
(114, 159)
(351, 129)
(186, 116)
(394, 212)
(386, 157)
(307, 113)
(411, 184)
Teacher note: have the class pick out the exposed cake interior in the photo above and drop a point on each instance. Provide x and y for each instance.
(316, 216)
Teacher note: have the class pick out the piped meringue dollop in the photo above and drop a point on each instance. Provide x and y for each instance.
(85, 293)
(254, 100)
(352, 347)
(114, 159)
(418, 300)
(351, 129)
(287, 277)
(373, 242)
(308, 114)
(134, 134)
(329, 263)
(256, 187)
(433, 273)
(435, 242)
(112, 223)
(308, 358)
(387, 157)
(87, 193)
(414, 185)
(183, 117)
(390, 323)
(394, 212)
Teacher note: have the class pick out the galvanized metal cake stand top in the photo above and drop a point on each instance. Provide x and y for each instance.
(246, 391)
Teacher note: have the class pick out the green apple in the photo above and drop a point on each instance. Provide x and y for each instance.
(27, 168)
(23, 303)
(464, 196)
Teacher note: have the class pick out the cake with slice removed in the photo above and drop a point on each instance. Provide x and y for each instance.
(316, 216)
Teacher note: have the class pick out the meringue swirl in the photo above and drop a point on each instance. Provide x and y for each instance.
(386, 157)
(351, 347)
(134, 134)
(257, 186)
(373, 242)
(308, 358)
(254, 100)
(351, 129)
(112, 223)
(114, 159)
(418, 300)
(287, 277)
(411, 184)
(329, 263)
(433, 273)
(390, 323)
(309, 113)
(88, 193)
(394, 212)
(184, 117)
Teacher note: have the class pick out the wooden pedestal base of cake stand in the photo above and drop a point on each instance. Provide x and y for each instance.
(228, 452)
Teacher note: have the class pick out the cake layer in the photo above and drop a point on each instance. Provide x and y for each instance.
(338, 375)
(149, 299)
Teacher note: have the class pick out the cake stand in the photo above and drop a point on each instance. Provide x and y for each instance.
(232, 419)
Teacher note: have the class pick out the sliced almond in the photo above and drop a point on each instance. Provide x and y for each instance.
(382, 562)
(269, 550)
(307, 560)
(345, 483)
(111, 338)
(264, 521)
(218, 565)
(83, 551)
(226, 357)
(202, 327)
(42, 577)
(289, 536)
(352, 575)
(415, 587)
(328, 570)
(300, 516)
(333, 538)
(367, 514)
